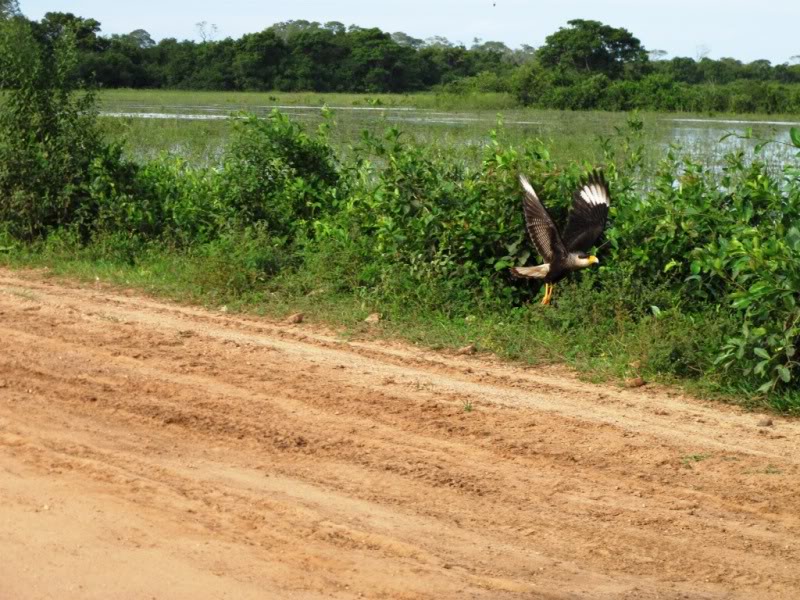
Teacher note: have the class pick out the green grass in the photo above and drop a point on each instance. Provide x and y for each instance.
(453, 121)
(420, 226)
(199, 142)
(525, 335)
(166, 99)
(118, 99)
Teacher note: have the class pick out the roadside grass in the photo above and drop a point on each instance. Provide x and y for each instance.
(421, 234)
(528, 335)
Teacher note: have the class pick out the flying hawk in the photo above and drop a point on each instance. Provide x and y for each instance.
(567, 252)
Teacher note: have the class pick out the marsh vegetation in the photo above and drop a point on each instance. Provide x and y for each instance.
(197, 125)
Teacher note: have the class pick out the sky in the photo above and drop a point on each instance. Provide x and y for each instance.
(742, 29)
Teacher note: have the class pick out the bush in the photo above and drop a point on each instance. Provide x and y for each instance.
(48, 134)
(755, 259)
(276, 174)
(164, 199)
(542, 88)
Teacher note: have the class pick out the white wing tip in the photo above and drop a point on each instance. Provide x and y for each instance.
(526, 185)
(593, 193)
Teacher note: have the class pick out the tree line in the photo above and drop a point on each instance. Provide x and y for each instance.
(583, 65)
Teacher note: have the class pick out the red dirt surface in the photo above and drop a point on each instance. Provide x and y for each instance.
(153, 450)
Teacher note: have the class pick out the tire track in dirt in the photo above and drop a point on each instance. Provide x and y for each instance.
(251, 458)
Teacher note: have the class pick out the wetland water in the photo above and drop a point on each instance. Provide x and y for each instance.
(198, 132)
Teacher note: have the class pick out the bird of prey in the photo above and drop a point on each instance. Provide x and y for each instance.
(567, 252)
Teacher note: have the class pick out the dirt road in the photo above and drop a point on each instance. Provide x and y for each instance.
(151, 450)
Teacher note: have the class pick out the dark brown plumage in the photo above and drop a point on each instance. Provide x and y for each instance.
(565, 253)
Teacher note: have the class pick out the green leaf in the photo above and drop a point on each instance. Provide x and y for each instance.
(761, 352)
(794, 133)
(784, 373)
(765, 388)
(742, 302)
(671, 265)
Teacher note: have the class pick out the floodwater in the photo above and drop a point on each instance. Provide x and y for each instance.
(408, 115)
(571, 132)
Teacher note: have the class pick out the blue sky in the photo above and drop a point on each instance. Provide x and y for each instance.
(746, 30)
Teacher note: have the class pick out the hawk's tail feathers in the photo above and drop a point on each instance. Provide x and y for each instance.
(537, 272)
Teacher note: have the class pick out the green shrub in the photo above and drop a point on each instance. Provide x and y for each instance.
(162, 199)
(535, 86)
(275, 173)
(48, 133)
(755, 259)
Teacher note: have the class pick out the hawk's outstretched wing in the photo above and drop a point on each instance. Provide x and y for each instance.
(541, 229)
(588, 216)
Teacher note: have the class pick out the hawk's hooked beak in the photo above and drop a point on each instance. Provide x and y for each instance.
(594, 260)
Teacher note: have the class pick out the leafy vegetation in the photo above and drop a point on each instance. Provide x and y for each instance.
(569, 135)
(585, 65)
(48, 134)
(699, 280)
(9, 9)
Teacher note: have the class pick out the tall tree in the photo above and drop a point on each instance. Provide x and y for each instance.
(438, 41)
(685, 69)
(592, 47)
(335, 27)
(403, 39)
(380, 64)
(9, 9)
(288, 29)
(206, 31)
(258, 61)
(54, 24)
(140, 38)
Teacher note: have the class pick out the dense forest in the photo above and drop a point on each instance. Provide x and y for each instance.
(583, 65)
